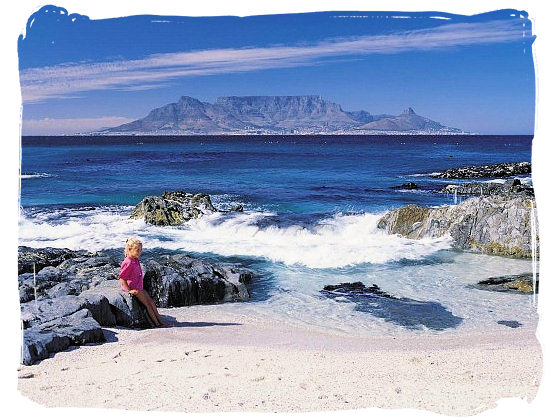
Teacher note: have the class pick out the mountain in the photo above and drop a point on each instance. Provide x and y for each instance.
(407, 121)
(308, 114)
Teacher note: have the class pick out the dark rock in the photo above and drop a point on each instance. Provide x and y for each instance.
(174, 208)
(86, 288)
(58, 334)
(521, 283)
(409, 313)
(44, 310)
(101, 308)
(508, 189)
(499, 170)
(407, 186)
(125, 309)
(33, 259)
(511, 324)
(180, 280)
(356, 289)
(70, 277)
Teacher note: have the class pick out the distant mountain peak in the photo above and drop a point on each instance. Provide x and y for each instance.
(300, 114)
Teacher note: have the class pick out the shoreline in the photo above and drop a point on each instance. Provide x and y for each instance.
(216, 360)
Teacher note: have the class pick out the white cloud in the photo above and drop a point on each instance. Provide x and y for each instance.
(42, 83)
(59, 126)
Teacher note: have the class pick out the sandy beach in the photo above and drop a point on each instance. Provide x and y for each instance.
(216, 359)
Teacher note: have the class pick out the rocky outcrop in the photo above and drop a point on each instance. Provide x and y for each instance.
(36, 259)
(66, 304)
(521, 283)
(175, 208)
(499, 170)
(406, 186)
(493, 225)
(180, 280)
(508, 189)
(58, 334)
(408, 313)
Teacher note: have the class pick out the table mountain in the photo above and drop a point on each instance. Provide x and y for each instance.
(308, 114)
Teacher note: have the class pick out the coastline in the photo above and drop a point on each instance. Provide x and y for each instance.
(217, 360)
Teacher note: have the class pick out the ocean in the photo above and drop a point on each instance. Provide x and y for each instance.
(311, 206)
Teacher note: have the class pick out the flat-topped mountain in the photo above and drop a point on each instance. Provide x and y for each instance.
(308, 114)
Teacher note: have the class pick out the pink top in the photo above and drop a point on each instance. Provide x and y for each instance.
(130, 270)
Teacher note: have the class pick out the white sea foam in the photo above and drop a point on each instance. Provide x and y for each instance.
(338, 241)
(427, 174)
(523, 180)
(29, 176)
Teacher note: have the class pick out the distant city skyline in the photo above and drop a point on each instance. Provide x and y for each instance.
(475, 73)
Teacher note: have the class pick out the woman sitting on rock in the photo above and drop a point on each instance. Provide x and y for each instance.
(131, 279)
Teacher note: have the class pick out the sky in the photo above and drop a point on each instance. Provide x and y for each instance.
(475, 72)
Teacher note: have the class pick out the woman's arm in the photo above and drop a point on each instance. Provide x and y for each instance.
(126, 287)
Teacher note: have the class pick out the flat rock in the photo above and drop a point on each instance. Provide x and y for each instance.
(406, 186)
(509, 188)
(78, 328)
(499, 170)
(521, 283)
(408, 313)
(34, 259)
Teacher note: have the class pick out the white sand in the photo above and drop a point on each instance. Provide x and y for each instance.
(202, 365)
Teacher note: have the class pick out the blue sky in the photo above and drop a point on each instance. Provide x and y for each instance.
(471, 72)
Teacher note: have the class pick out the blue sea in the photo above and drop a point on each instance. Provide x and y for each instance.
(311, 208)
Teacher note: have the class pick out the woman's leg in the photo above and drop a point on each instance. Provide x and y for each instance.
(153, 305)
(144, 298)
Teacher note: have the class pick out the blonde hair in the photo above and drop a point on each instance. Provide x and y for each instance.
(131, 243)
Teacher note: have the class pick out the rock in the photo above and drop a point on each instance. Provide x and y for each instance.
(521, 283)
(408, 313)
(58, 334)
(487, 171)
(33, 259)
(125, 309)
(70, 277)
(40, 311)
(180, 280)
(407, 186)
(356, 289)
(492, 225)
(511, 324)
(86, 288)
(174, 208)
(510, 188)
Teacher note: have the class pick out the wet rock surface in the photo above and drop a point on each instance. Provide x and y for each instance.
(499, 170)
(37, 258)
(511, 324)
(492, 225)
(510, 188)
(521, 283)
(408, 313)
(180, 280)
(406, 186)
(175, 208)
(76, 293)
